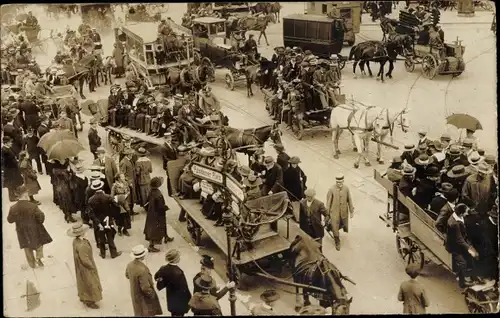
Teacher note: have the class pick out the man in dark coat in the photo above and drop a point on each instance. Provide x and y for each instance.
(488, 254)
(31, 140)
(427, 187)
(94, 139)
(282, 158)
(31, 113)
(172, 278)
(31, 233)
(273, 177)
(12, 177)
(311, 212)
(439, 199)
(15, 133)
(207, 266)
(203, 303)
(294, 181)
(169, 154)
(155, 228)
(446, 210)
(478, 189)
(457, 244)
(102, 211)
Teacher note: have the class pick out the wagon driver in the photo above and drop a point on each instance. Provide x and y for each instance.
(208, 102)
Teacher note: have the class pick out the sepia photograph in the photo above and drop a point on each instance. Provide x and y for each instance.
(249, 158)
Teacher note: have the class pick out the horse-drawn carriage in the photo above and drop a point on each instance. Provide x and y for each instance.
(417, 240)
(148, 56)
(442, 61)
(60, 99)
(139, 13)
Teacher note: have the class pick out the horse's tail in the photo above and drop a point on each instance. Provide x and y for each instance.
(352, 52)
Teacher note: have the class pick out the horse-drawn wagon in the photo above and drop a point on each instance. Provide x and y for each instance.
(148, 56)
(417, 240)
(445, 60)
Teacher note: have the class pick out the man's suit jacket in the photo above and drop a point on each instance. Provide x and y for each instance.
(273, 179)
(101, 205)
(94, 140)
(110, 169)
(310, 218)
(442, 219)
(456, 237)
(172, 278)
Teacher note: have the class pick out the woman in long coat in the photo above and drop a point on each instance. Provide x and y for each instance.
(155, 228)
(29, 175)
(63, 190)
(87, 277)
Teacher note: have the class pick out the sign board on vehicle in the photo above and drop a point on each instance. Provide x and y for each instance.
(206, 187)
(234, 188)
(206, 173)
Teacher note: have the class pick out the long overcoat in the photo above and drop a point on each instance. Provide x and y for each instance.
(12, 177)
(87, 277)
(30, 177)
(144, 298)
(294, 181)
(143, 169)
(310, 218)
(29, 224)
(175, 283)
(339, 205)
(155, 228)
(413, 296)
(128, 169)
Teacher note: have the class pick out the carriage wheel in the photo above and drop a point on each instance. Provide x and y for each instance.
(478, 302)
(409, 65)
(237, 276)
(409, 251)
(194, 231)
(429, 66)
(229, 81)
(297, 128)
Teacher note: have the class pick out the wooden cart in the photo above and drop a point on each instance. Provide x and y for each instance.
(417, 240)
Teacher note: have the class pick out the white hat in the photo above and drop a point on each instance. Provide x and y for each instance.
(96, 185)
(60, 73)
(139, 251)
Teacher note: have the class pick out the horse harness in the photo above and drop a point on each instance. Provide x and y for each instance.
(368, 127)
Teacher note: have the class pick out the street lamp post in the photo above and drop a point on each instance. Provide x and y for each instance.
(227, 217)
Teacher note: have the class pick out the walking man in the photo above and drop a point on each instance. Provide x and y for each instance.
(412, 293)
(144, 298)
(87, 277)
(31, 233)
(311, 212)
(94, 139)
(339, 206)
(172, 278)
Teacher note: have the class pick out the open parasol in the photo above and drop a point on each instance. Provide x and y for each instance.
(64, 149)
(464, 121)
(53, 137)
(88, 107)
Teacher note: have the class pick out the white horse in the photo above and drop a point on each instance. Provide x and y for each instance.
(364, 124)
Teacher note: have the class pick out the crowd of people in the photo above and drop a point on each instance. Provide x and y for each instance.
(456, 183)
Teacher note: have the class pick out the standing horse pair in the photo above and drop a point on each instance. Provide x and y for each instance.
(380, 52)
(365, 124)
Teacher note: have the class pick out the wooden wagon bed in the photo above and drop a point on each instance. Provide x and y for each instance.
(261, 249)
(137, 135)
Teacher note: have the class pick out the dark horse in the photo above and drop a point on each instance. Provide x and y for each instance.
(311, 267)
(242, 140)
(185, 80)
(380, 52)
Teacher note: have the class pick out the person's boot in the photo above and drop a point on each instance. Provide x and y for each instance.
(120, 231)
(39, 262)
(168, 239)
(126, 233)
(70, 219)
(116, 254)
(153, 249)
(91, 304)
(337, 243)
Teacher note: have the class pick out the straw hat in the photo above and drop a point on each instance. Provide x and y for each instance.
(454, 150)
(139, 251)
(409, 147)
(445, 137)
(423, 146)
(96, 175)
(77, 229)
(457, 172)
(474, 158)
(422, 160)
(408, 171)
(142, 152)
(485, 168)
(445, 187)
(244, 171)
(468, 142)
(96, 185)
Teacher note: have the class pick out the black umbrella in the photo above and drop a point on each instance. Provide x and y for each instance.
(464, 121)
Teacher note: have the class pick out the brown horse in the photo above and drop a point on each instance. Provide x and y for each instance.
(252, 76)
(189, 78)
(253, 23)
(311, 267)
(242, 140)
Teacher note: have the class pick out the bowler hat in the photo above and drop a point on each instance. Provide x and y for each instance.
(397, 159)
(445, 187)
(432, 171)
(205, 282)
(173, 256)
(423, 146)
(294, 160)
(270, 295)
(156, 182)
(207, 261)
(451, 195)
(77, 229)
(457, 172)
